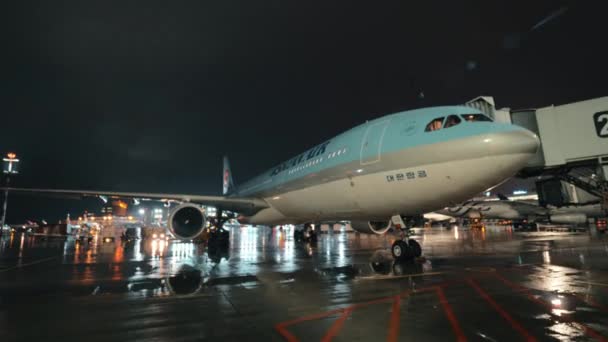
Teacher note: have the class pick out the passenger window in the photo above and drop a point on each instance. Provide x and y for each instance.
(434, 125)
(452, 120)
(476, 117)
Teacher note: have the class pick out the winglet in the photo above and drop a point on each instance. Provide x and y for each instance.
(228, 183)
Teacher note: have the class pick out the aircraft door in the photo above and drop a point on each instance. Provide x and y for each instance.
(371, 145)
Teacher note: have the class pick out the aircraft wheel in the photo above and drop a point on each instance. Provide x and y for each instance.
(298, 235)
(401, 251)
(219, 238)
(415, 248)
(313, 236)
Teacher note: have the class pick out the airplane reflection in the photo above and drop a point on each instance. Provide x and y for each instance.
(382, 263)
(188, 280)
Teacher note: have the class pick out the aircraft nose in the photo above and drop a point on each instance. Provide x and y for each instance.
(514, 141)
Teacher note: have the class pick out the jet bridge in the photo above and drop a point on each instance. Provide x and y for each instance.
(573, 150)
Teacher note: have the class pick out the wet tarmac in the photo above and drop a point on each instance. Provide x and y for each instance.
(490, 285)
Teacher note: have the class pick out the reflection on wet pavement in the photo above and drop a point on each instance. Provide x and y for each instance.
(493, 284)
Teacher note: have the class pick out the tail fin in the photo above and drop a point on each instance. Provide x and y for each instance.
(228, 183)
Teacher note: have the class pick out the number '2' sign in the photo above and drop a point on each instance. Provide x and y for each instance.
(601, 124)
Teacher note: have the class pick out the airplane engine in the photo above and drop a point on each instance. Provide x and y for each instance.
(576, 218)
(186, 221)
(371, 227)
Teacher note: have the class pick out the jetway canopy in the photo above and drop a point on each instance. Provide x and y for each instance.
(574, 147)
(569, 133)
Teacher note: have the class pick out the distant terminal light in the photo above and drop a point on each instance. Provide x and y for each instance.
(520, 192)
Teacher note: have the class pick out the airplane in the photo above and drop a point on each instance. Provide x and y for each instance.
(502, 209)
(377, 175)
(530, 212)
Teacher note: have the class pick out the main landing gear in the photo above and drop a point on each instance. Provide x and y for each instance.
(218, 237)
(404, 248)
(307, 234)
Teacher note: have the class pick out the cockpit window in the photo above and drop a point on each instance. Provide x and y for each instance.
(475, 117)
(434, 125)
(452, 120)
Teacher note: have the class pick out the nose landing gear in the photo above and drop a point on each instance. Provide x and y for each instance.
(404, 248)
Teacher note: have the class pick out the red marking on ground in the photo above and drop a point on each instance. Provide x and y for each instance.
(393, 328)
(588, 330)
(447, 308)
(336, 327)
(285, 333)
(281, 328)
(514, 324)
(310, 318)
(394, 321)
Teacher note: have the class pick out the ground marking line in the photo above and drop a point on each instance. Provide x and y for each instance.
(590, 301)
(337, 326)
(28, 264)
(514, 324)
(520, 288)
(281, 328)
(394, 322)
(447, 308)
(388, 277)
(591, 283)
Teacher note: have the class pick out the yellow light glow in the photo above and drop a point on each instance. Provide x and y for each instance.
(11, 155)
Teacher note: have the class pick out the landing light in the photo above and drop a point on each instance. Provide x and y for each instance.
(359, 170)
(154, 236)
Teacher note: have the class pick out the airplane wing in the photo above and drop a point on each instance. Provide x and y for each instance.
(242, 205)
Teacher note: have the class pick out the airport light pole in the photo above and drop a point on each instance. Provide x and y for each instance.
(10, 168)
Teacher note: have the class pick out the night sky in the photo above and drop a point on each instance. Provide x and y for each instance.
(148, 95)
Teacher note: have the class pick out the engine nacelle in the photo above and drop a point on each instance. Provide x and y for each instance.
(186, 221)
(371, 227)
(576, 218)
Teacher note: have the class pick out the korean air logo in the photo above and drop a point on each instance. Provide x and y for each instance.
(601, 124)
(226, 177)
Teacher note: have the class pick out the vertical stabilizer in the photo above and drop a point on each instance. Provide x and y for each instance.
(228, 183)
